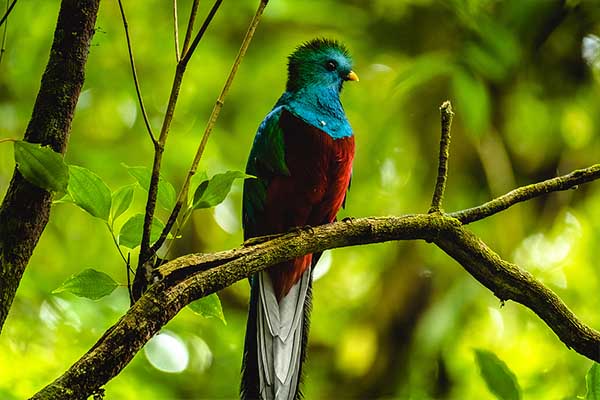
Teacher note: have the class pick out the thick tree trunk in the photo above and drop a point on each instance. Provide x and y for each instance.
(26, 208)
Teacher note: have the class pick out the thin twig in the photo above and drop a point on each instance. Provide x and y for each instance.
(116, 242)
(188, 53)
(524, 193)
(129, 289)
(2, 46)
(446, 115)
(8, 11)
(176, 30)
(135, 78)
(190, 27)
(146, 253)
(183, 194)
(180, 226)
(3, 140)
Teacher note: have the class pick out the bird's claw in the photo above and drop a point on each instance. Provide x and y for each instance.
(348, 219)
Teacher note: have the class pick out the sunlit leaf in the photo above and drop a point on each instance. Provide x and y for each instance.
(131, 232)
(592, 383)
(41, 166)
(500, 380)
(89, 192)
(166, 192)
(88, 283)
(121, 200)
(65, 199)
(209, 306)
(213, 191)
(195, 182)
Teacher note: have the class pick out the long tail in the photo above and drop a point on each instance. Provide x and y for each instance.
(276, 336)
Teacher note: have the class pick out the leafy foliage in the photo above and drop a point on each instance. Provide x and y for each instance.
(592, 383)
(41, 166)
(121, 201)
(89, 192)
(166, 192)
(214, 190)
(89, 283)
(209, 306)
(131, 232)
(499, 378)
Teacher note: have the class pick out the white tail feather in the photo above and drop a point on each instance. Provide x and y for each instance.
(279, 337)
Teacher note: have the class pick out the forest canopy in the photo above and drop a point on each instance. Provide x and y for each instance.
(394, 320)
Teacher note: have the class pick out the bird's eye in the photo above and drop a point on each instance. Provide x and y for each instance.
(330, 65)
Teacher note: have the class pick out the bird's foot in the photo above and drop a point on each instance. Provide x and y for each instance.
(349, 220)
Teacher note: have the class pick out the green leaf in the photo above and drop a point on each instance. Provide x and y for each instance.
(196, 181)
(212, 192)
(500, 380)
(208, 307)
(166, 196)
(89, 192)
(592, 383)
(65, 199)
(121, 200)
(42, 166)
(131, 232)
(88, 283)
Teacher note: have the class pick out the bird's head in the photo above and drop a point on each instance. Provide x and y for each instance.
(320, 63)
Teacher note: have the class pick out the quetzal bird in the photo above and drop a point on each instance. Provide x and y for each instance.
(302, 157)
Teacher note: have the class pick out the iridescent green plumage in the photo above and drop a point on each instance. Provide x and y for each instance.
(302, 157)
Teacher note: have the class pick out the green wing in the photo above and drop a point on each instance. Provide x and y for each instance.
(266, 160)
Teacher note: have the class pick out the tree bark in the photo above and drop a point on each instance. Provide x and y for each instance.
(191, 277)
(26, 208)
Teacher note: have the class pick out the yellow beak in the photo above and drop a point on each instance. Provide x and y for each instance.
(352, 76)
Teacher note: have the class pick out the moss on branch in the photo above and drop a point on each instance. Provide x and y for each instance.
(197, 275)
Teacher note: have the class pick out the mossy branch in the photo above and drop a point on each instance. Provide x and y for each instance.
(524, 193)
(191, 277)
(446, 115)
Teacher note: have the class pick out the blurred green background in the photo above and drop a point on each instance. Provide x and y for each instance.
(396, 320)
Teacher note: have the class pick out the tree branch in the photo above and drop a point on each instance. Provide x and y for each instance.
(524, 193)
(3, 41)
(190, 27)
(135, 78)
(183, 193)
(188, 53)
(191, 277)
(446, 115)
(26, 208)
(508, 282)
(7, 13)
(176, 31)
(145, 262)
(197, 275)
